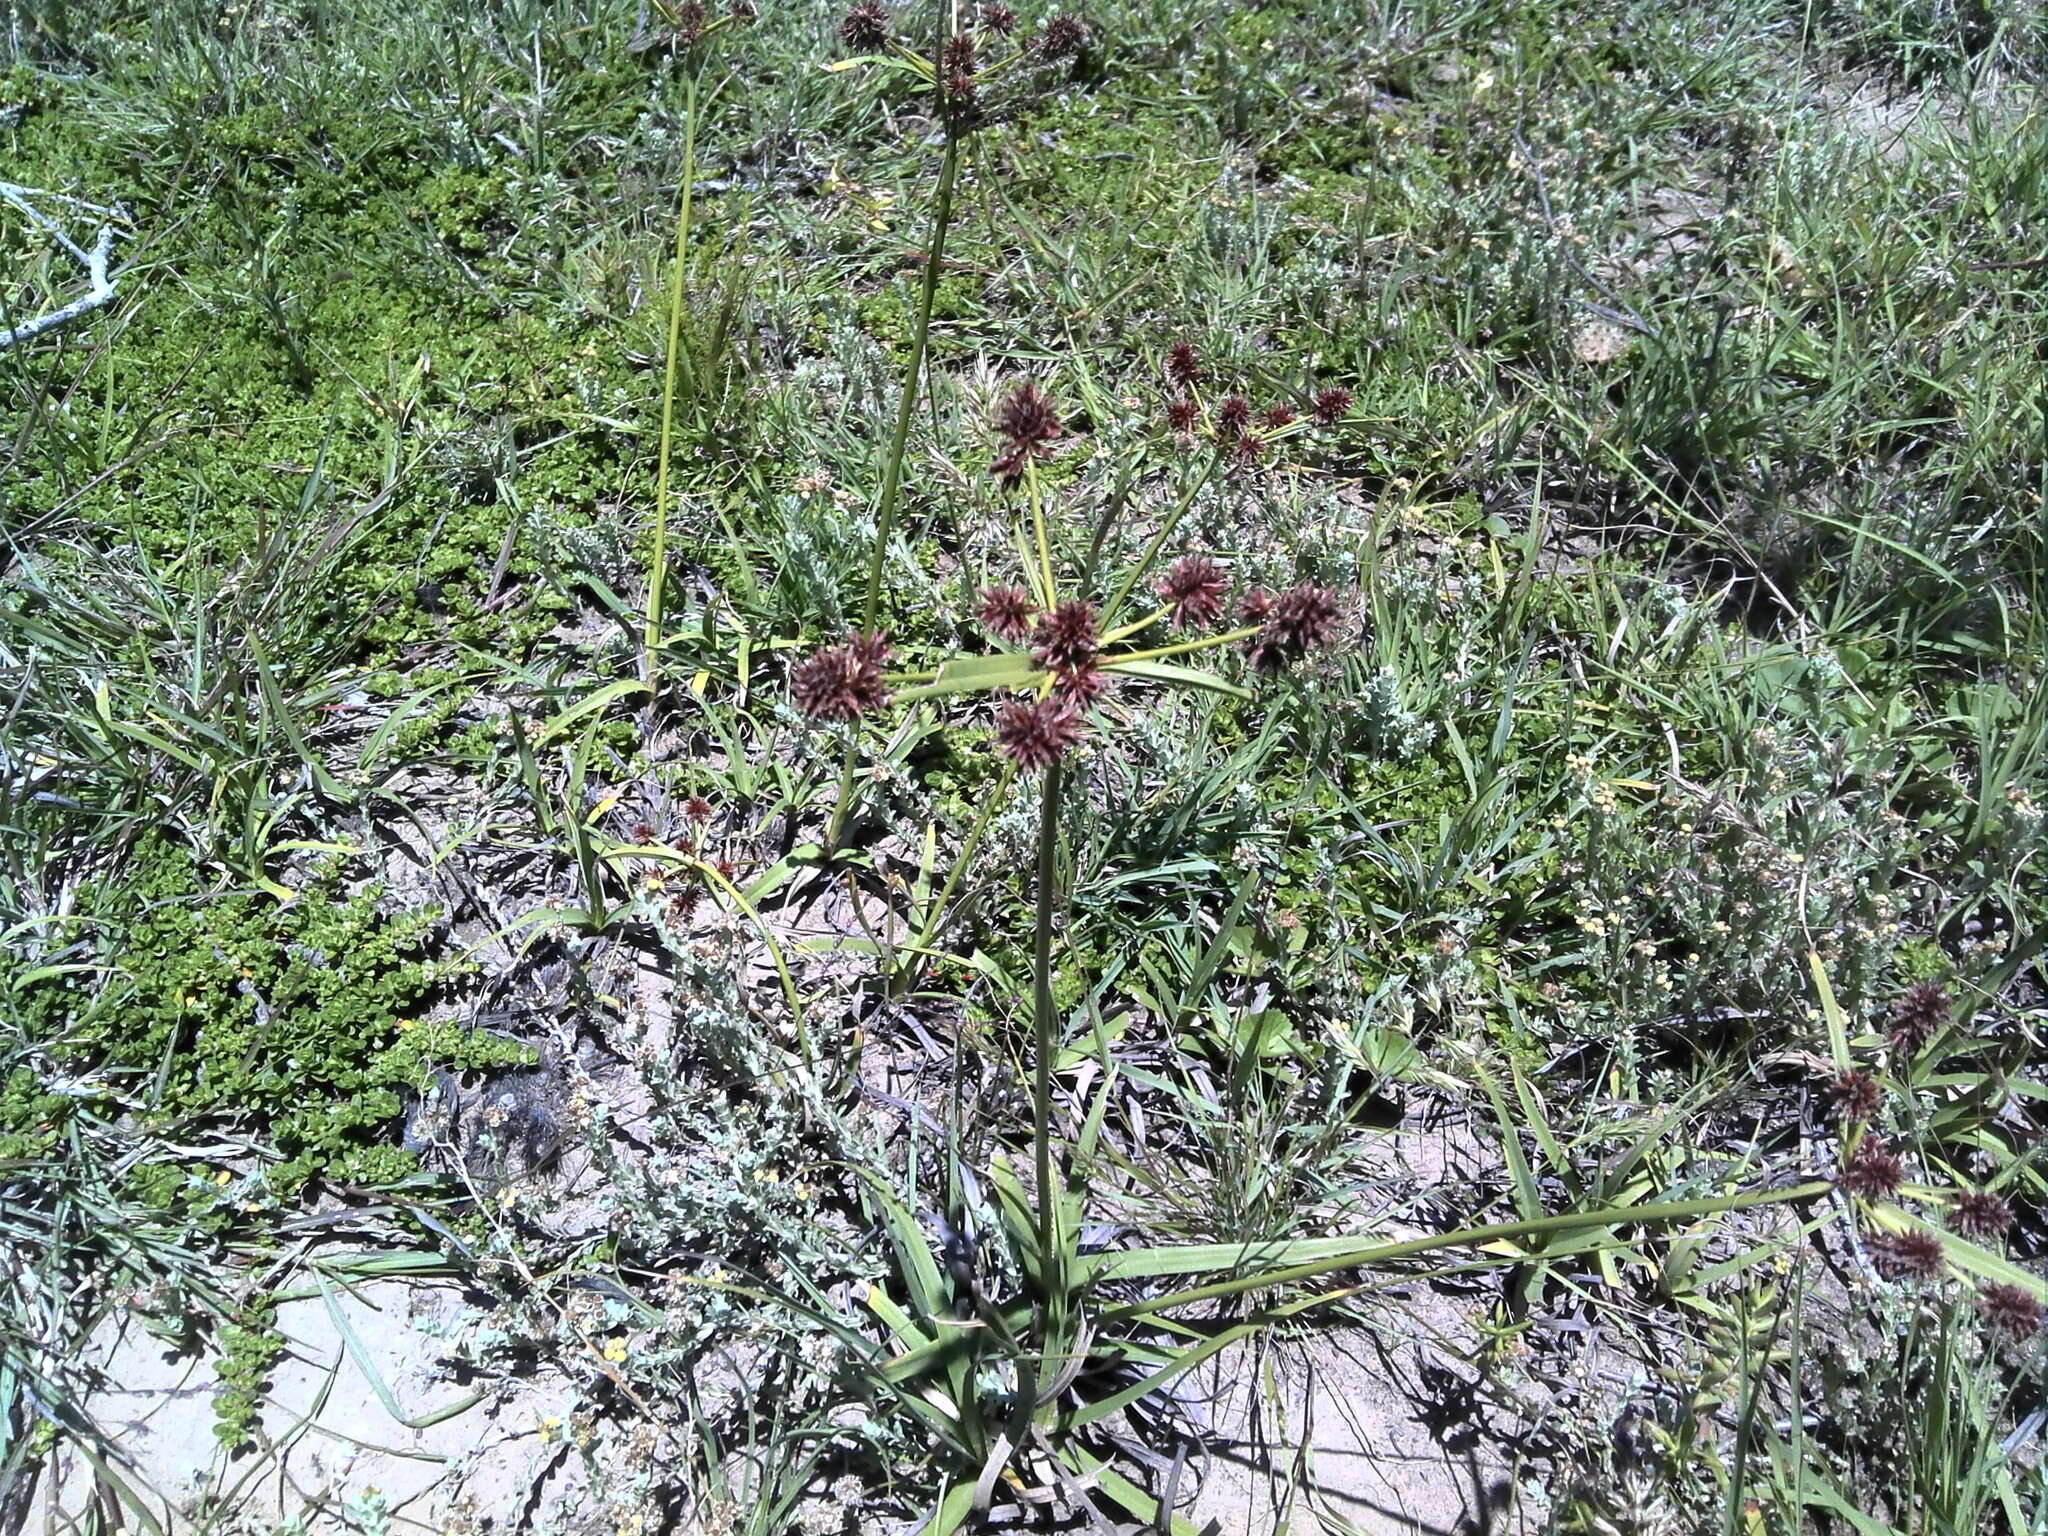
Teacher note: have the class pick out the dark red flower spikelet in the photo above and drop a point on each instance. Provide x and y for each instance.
(1275, 416)
(643, 832)
(957, 65)
(1856, 1094)
(697, 809)
(1182, 415)
(1331, 405)
(1028, 426)
(1183, 367)
(865, 28)
(690, 21)
(1064, 640)
(843, 682)
(999, 19)
(743, 12)
(1007, 613)
(1919, 1016)
(1304, 618)
(962, 99)
(2009, 1309)
(1873, 1170)
(1233, 418)
(1063, 37)
(1291, 625)
(1082, 686)
(1268, 658)
(871, 651)
(1978, 1213)
(1247, 451)
(1911, 1255)
(1193, 589)
(1026, 415)
(1037, 734)
(1256, 607)
(682, 906)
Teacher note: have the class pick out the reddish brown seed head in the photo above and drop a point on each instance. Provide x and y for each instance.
(1873, 1170)
(962, 98)
(865, 28)
(1918, 1016)
(1182, 415)
(1332, 405)
(697, 809)
(690, 20)
(1856, 1095)
(1247, 452)
(1064, 36)
(1304, 618)
(999, 19)
(1193, 589)
(1082, 686)
(1065, 640)
(1007, 613)
(1027, 426)
(1277, 415)
(2010, 1309)
(958, 57)
(1978, 1213)
(1183, 366)
(1037, 734)
(843, 682)
(1233, 417)
(1912, 1255)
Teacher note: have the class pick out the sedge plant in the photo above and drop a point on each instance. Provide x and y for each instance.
(1089, 1334)
(961, 73)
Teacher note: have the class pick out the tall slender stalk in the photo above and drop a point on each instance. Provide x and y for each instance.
(1143, 563)
(1044, 1042)
(657, 575)
(892, 466)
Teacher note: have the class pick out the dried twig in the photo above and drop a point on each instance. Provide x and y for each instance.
(94, 261)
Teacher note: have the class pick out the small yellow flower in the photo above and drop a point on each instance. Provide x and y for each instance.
(615, 1351)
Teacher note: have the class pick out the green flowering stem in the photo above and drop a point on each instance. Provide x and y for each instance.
(892, 466)
(1181, 648)
(1126, 631)
(1049, 592)
(1044, 1043)
(1143, 563)
(657, 575)
(1339, 1255)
